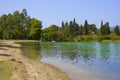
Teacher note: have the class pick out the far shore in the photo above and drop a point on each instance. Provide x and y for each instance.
(22, 68)
(17, 41)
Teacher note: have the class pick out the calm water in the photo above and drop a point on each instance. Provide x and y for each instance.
(80, 60)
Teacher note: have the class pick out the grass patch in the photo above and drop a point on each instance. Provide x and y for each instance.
(6, 70)
(104, 38)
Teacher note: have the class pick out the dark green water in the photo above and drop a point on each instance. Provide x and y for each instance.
(100, 61)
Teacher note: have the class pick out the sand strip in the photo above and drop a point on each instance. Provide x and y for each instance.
(33, 70)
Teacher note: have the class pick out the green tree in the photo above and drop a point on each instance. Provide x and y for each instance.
(50, 33)
(74, 21)
(1, 33)
(17, 26)
(107, 29)
(102, 29)
(9, 31)
(63, 25)
(3, 25)
(70, 27)
(26, 23)
(80, 32)
(24, 11)
(116, 30)
(93, 29)
(66, 30)
(66, 24)
(86, 28)
(75, 29)
(35, 29)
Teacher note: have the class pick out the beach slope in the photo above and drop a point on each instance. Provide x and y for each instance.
(14, 66)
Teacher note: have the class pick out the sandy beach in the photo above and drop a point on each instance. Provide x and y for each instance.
(22, 68)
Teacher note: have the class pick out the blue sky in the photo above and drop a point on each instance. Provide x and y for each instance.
(55, 11)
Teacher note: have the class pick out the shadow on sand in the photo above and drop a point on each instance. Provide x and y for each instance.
(5, 55)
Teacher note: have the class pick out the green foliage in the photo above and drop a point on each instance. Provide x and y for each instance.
(80, 31)
(84, 38)
(35, 29)
(17, 26)
(114, 37)
(105, 29)
(102, 29)
(68, 32)
(50, 33)
(86, 31)
(71, 31)
(96, 38)
(116, 30)
(63, 25)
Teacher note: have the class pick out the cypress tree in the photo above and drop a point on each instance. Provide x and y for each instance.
(63, 25)
(80, 32)
(107, 29)
(116, 30)
(102, 29)
(86, 30)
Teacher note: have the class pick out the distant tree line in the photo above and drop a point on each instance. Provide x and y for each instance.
(72, 31)
(19, 26)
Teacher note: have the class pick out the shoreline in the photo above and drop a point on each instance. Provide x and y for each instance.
(104, 41)
(31, 69)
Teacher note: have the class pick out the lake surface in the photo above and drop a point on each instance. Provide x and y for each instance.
(80, 60)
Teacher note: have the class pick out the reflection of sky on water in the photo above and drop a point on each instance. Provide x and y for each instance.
(102, 59)
(75, 52)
